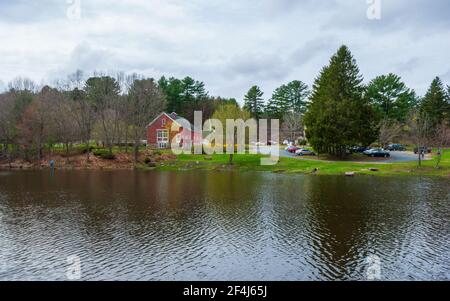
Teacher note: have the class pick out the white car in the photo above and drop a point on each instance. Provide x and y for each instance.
(304, 152)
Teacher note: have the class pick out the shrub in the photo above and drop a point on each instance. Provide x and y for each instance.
(108, 156)
(147, 160)
(83, 149)
(302, 142)
(98, 152)
(104, 154)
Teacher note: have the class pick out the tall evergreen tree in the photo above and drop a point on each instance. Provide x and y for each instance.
(253, 102)
(288, 98)
(193, 90)
(391, 98)
(272, 110)
(448, 104)
(172, 89)
(435, 103)
(338, 115)
(182, 95)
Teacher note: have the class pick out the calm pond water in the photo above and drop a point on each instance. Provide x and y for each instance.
(127, 225)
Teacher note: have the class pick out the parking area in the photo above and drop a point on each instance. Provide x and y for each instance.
(396, 157)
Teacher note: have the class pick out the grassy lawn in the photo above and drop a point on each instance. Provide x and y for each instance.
(291, 165)
(323, 165)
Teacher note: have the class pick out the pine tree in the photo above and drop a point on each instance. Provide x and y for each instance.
(253, 102)
(182, 95)
(435, 103)
(278, 104)
(172, 89)
(288, 98)
(338, 115)
(391, 98)
(448, 105)
(297, 93)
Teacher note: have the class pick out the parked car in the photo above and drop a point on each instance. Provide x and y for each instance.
(304, 152)
(396, 147)
(377, 152)
(257, 144)
(423, 149)
(358, 149)
(292, 149)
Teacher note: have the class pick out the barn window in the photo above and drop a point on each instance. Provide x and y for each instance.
(163, 122)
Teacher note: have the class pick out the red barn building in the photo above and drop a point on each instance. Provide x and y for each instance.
(160, 134)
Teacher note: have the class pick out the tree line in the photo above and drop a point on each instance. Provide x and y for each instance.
(340, 111)
(337, 112)
(107, 109)
(113, 110)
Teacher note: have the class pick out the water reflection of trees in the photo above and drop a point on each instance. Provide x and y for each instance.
(230, 225)
(341, 221)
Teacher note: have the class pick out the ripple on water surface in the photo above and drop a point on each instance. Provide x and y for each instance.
(222, 226)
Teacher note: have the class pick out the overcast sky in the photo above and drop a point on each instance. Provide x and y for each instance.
(228, 44)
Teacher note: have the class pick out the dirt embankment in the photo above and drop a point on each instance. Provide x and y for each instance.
(121, 161)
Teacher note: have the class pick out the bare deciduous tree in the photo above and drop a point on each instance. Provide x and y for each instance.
(389, 130)
(441, 140)
(62, 127)
(103, 95)
(145, 102)
(292, 125)
(23, 84)
(8, 120)
(419, 131)
(83, 114)
(34, 127)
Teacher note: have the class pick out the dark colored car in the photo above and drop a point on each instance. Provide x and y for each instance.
(423, 149)
(358, 149)
(377, 152)
(292, 149)
(396, 147)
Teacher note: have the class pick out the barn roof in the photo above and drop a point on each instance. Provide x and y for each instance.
(174, 117)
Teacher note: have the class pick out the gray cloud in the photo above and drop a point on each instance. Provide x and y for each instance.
(228, 44)
(314, 48)
(416, 16)
(257, 66)
(446, 77)
(28, 11)
(408, 66)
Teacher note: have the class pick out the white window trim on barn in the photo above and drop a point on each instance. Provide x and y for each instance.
(162, 138)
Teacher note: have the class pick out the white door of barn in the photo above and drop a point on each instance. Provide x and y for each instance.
(162, 138)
